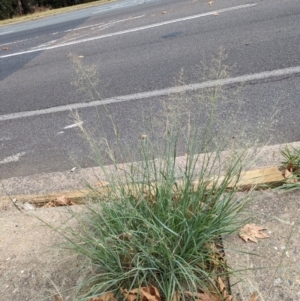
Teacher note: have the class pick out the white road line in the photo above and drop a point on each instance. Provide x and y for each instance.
(162, 92)
(131, 30)
(13, 158)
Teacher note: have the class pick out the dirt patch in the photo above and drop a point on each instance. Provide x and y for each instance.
(32, 266)
(272, 266)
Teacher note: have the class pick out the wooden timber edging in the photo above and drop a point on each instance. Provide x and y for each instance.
(257, 178)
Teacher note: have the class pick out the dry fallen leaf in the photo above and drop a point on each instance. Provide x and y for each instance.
(216, 13)
(105, 297)
(254, 297)
(163, 12)
(60, 201)
(176, 296)
(80, 56)
(206, 296)
(223, 290)
(148, 293)
(215, 256)
(143, 137)
(289, 175)
(251, 232)
(210, 3)
(5, 48)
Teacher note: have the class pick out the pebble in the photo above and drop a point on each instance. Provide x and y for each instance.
(28, 206)
(277, 281)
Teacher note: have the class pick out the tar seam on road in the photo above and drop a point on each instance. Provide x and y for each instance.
(129, 30)
(162, 92)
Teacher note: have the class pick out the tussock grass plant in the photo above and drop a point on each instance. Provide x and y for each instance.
(291, 165)
(163, 217)
(291, 158)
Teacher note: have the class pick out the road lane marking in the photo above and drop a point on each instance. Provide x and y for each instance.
(13, 158)
(130, 30)
(156, 93)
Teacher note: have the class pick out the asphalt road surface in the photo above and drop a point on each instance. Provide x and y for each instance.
(134, 50)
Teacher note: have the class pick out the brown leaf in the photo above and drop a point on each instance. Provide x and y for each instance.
(151, 293)
(216, 13)
(223, 290)
(176, 296)
(50, 204)
(254, 297)
(130, 296)
(105, 297)
(210, 3)
(60, 201)
(147, 293)
(221, 285)
(163, 12)
(5, 48)
(251, 232)
(215, 257)
(206, 296)
(289, 175)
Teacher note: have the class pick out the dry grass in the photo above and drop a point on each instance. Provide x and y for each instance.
(42, 13)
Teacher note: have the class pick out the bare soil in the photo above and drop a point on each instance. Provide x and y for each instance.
(32, 264)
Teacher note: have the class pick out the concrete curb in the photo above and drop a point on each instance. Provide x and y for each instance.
(257, 177)
(43, 188)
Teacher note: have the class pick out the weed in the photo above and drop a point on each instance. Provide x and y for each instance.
(291, 159)
(291, 167)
